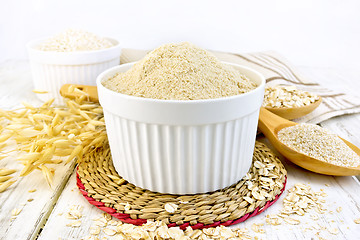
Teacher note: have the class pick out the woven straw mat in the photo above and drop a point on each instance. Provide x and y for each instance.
(259, 189)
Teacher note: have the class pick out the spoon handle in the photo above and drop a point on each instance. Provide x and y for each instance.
(270, 123)
(90, 90)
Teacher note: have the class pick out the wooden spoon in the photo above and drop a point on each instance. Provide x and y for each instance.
(270, 124)
(90, 90)
(295, 112)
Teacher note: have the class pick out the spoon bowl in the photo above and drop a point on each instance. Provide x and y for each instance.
(270, 124)
(295, 112)
(91, 91)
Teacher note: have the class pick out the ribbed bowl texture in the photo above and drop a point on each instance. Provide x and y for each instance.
(50, 70)
(181, 147)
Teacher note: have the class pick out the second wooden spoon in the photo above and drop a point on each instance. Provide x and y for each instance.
(295, 112)
(270, 124)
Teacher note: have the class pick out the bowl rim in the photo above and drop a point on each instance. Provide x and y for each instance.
(114, 70)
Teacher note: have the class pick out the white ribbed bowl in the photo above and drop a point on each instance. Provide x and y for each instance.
(50, 69)
(181, 147)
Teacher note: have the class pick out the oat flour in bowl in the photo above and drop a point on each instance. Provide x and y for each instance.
(180, 72)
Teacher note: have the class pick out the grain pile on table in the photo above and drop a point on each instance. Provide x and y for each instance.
(300, 200)
(106, 225)
(287, 97)
(48, 135)
(72, 40)
(319, 143)
(181, 72)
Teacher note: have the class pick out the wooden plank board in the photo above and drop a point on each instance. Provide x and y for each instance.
(44, 210)
(16, 86)
(34, 213)
(56, 226)
(342, 191)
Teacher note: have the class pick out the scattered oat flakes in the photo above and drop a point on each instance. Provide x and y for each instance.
(90, 238)
(292, 221)
(257, 194)
(101, 222)
(75, 212)
(323, 194)
(357, 220)
(258, 228)
(300, 199)
(113, 223)
(15, 212)
(30, 200)
(175, 233)
(125, 228)
(249, 199)
(32, 190)
(74, 224)
(107, 216)
(127, 207)
(109, 231)
(149, 226)
(170, 207)
(94, 230)
(333, 231)
(273, 220)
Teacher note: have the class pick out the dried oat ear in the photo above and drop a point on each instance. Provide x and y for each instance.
(48, 135)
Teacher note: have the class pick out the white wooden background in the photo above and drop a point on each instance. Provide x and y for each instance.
(44, 217)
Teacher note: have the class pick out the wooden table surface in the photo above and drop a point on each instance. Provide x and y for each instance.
(44, 217)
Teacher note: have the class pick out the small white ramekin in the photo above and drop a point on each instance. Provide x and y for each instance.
(50, 69)
(181, 147)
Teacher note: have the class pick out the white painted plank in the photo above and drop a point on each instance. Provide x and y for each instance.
(344, 191)
(15, 87)
(56, 225)
(33, 213)
(344, 80)
(16, 84)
